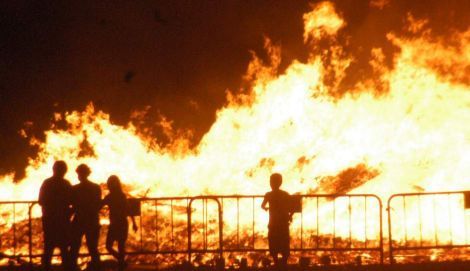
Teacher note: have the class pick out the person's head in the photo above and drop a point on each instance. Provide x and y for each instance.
(59, 168)
(114, 184)
(275, 181)
(83, 171)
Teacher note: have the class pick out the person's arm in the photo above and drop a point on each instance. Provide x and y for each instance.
(265, 202)
(104, 201)
(69, 200)
(134, 225)
(41, 195)
(290, 217)
(291, 211)
(98, 198)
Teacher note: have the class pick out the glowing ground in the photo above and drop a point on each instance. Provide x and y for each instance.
(443, 266)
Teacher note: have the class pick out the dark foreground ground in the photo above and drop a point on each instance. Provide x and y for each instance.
(445, 266)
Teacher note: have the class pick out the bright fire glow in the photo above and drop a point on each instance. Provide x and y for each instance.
(414, 137)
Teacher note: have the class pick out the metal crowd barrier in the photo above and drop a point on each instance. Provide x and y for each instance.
(332, 228)
(19, 234)
(425, 221)
(220, 224)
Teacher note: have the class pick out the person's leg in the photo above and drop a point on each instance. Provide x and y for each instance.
(47, 254)
(122, 254)
(109, 243)
(75, 242)
(284, 246)
(285, 256)
(65, 254)
(92, 235)
(273, 241)
(275, 257)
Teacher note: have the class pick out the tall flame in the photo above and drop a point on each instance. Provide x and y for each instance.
(413, 137)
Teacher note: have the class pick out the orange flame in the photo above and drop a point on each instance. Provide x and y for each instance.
(414, 137)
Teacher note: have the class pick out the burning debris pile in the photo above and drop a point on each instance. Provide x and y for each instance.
(414, 136)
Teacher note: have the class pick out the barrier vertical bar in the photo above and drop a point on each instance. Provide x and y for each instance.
(238, 222)
(381, 235)
(390, 239)
(14, 228)
(365, 221)
(253, 222)
(30, 235)
(157, 242)
(350, 222)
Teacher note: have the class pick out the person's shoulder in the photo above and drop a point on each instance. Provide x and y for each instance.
(47, 181)
(284, 192)
(66, 182)
(45, 185)
(268, 194)
(96, 186)
(76, 186)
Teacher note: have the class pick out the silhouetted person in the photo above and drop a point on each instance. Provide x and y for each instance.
(54, 198)
(86, 205)
(118, 224)
(280, 217)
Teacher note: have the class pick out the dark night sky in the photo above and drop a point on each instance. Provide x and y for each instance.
(170, 55)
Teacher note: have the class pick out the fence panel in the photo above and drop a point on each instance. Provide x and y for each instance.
(339, 223)
(326, 223)
(179, 226)
(19, 231)
(426, 221)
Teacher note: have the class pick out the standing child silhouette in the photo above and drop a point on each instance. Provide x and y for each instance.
(280, 217)
(118, 225)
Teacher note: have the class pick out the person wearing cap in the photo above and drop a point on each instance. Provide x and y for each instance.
(54, 198)
(86, 202)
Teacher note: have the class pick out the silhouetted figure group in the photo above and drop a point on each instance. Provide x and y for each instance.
(71, 212)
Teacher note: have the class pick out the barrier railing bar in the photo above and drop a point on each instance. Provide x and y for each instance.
(221, 249)
(157, 242)
(350, 221)
(465, 223)
(420, 223)
(429, 247)
(407, 246)
(436, 240)
(404, 219)
(301, 229)
(334, 222)
(450, 219)
(365, 222)
(318, 226)
(253, 223)
(381, 235)
(14, 228)
(238, 222)
(30, 233)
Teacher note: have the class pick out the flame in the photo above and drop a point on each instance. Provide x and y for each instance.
(414, 136)
(322, 21)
